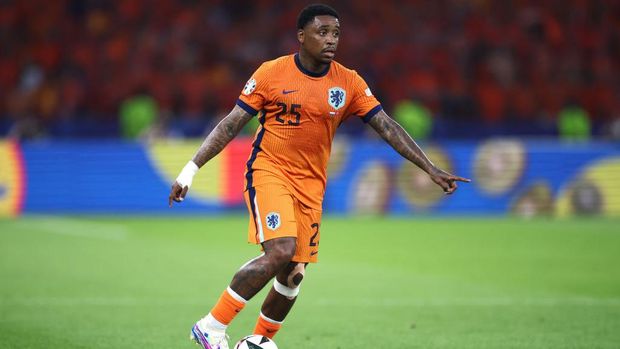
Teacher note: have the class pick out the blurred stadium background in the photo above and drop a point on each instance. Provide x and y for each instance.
(103, 102)
(521, 96)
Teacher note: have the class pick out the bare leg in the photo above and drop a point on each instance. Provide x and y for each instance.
(276, 306)
(251, 278)
(210, 331)
(280, 300)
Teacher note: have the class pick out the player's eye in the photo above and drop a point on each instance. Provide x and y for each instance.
(323, 33)
(337, 34)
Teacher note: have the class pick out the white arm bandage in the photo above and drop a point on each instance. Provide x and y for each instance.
(187, 174)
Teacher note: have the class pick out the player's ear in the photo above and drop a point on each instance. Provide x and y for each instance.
(300, 36)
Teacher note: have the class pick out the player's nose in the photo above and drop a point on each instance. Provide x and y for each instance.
(330, 46)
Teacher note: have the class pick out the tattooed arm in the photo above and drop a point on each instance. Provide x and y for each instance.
(221, 135)
(398, 138)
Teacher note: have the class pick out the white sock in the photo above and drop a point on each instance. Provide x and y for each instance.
(211, 323)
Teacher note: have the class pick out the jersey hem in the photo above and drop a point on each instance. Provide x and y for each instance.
(273, 178)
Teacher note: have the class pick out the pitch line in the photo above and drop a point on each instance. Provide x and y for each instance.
(471, 302)
(73, 227)
(359, 302)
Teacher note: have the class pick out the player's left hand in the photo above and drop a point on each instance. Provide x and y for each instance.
(446, 180)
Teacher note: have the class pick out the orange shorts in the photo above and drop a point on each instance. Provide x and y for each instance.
(275, 213)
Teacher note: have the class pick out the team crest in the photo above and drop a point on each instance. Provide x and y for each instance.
(336, 97)
(273, 220)
(249, 87)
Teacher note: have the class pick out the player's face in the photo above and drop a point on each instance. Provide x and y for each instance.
(320, 38)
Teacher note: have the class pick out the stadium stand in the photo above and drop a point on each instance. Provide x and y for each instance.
(482, 67)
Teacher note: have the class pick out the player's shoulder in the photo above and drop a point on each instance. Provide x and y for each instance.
(344, 72)
(277, 64)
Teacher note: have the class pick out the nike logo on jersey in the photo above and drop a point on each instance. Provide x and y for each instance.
(313, 253)
(285, 92)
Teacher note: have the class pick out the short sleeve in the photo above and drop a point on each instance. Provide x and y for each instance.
(364, 104)
(254, 94)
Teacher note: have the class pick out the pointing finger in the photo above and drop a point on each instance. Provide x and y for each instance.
(174, 194)
(460, 179)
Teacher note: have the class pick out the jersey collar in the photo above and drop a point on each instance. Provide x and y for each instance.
(307, 72)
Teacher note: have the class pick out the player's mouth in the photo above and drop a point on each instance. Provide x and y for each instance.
(329, 53)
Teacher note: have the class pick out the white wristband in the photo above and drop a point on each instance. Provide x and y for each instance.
(187, 174)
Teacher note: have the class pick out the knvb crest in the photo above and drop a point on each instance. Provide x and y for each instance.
(336, 97)
(273, 220)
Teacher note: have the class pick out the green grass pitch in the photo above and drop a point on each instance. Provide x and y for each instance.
(83, 282)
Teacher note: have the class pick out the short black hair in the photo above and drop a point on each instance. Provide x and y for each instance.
(309, 12)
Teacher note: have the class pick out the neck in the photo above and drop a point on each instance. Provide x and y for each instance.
(310, 63)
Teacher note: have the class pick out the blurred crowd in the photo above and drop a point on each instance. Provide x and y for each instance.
(69, 68)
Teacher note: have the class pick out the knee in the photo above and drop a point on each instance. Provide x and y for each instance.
(296, 275)
(290, 280)
(281, 251)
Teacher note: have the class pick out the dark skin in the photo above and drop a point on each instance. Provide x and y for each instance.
(250, 279)
(400, 140)
(318, 43)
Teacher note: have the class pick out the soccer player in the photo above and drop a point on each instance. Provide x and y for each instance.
(300, 100)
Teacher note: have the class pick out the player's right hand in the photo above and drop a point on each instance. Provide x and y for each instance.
(182, 183)
(177, 193)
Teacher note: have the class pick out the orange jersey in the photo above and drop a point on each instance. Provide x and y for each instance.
(300, 113)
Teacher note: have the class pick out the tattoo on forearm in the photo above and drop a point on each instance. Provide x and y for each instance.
(398, 138)
(221, 135)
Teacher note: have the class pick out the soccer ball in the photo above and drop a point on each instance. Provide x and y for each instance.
(255, 341)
